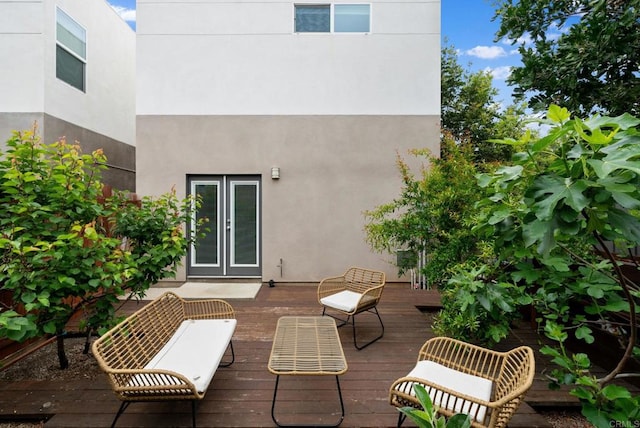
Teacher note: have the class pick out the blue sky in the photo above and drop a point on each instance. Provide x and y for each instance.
(468, 26)
(126, 9)
(465, 23)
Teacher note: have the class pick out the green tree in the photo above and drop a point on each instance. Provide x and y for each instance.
(552, 215)
(478, 304)
(470, 112)
(56, 254)
(433, 212)
(154, 236)
(581, 54)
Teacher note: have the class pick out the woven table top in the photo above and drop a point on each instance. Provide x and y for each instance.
(307, 346)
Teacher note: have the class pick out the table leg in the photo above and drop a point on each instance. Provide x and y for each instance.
(273, 406)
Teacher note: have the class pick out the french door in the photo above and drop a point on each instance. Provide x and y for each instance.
(232, 246)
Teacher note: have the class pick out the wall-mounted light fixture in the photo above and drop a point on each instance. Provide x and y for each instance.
(275, 173)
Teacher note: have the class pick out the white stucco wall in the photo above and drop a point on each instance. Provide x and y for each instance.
(227, 87)
(28, 82)
(108, 104)
(22, 51)
(221, 57)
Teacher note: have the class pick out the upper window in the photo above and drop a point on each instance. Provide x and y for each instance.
(313, 18)
(336, 18)
(351, 18)
(71, 51)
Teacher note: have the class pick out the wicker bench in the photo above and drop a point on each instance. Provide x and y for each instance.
(168, 350)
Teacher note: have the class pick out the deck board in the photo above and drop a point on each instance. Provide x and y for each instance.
(240, 395)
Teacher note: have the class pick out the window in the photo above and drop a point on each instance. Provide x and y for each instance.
(351, 18)
(71, 51)
(313, 19)
(329, 18)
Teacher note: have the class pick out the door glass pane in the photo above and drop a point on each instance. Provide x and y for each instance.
(207, 247)
(245, 219)
(351, 18)
(313, 18)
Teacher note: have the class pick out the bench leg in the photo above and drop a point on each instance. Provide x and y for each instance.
(121, 410)
(273, 406)
(125, 404)
(233, 356)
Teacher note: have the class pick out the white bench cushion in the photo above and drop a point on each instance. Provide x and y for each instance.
(195, 350)
(464, 383)
(345, 300)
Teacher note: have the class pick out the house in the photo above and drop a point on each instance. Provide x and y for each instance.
(69, 65)
(286, 118)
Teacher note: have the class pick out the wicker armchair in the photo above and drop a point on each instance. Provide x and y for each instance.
(463, 378)
(358, 290)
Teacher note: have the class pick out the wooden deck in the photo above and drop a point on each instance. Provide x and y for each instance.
(241, 395)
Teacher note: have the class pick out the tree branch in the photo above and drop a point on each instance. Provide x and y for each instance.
(632, 314)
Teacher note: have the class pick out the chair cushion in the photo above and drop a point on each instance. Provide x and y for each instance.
(473, 386)
(346, 300)
(195, 350)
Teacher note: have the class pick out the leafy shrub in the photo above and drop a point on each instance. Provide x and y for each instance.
(57, 256)
(552, 215)
(433, 213)
(477, 309)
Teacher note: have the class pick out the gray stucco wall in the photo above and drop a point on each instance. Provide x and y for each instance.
(10, 122)
(121, 157)
(333, 168)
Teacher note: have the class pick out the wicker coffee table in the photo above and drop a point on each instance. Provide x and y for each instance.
(306, 346)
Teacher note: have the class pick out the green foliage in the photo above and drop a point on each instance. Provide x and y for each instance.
(601, 404)
(56, 254)
(432, 214)
(550, 215)
(470, 112)
(539, 230)
(155, 236)
(435, 213)
(51, 244)
(477, 309)
(582, 54)
(427, 416)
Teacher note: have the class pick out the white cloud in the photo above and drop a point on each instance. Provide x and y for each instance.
(525, 39)
(128, 15)
(499, 73)
(553, 33)
(487, 52)
(541, 128)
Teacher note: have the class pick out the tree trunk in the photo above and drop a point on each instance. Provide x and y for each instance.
(633, 328)
(87, 342)
(62, 356)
